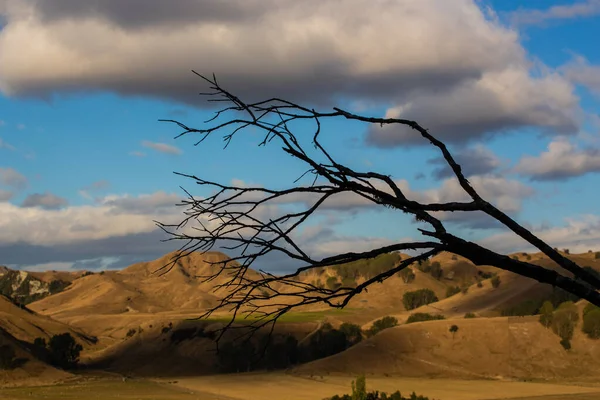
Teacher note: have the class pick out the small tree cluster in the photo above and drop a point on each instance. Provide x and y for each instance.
(546, 314)
(7, 357)
(432, 268)
(418, 298)
(496, 282)
(564, 321)
(62, 350)
(420, 317)
(591, 321)
(381, 324)
(359, 392)
(452, 290)
(407, 275)
(470, 315)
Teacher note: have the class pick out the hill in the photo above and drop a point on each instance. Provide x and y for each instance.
(26, 287)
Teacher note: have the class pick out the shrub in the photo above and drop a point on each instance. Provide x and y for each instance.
(332, 283)
(7, 357)
(420, 317)
(564, 320)
(64, 350)
(352, 332)
(131, 332)
(418, 298)
(566, 251)
(465, 290)
(589, 307)
(565, 343)
(479, 284)
(453, 329)
(436, 270)
(470, 315)
(452, 290)
(546, 312)
(381, 324)
(495, 281)
(591, 323)
(359, 392)
(407, 275)
(57, 286)
(454, 257)
(349, 282)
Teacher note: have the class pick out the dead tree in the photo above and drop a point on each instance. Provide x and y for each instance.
(230, 218)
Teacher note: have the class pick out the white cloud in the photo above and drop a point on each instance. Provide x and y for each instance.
(578, 234)
(48, 201)
(5, 195)
(114, 216)
(500, 100)
(137, 154)
(562, 160)
(13, 178)
(162, 147)
(580, 71)
(580, 9)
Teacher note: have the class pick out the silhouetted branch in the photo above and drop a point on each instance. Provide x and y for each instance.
(244, 219)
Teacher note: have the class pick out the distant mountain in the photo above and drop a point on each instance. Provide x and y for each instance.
(24, 287)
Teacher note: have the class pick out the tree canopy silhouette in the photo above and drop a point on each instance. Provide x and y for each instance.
(231, 218)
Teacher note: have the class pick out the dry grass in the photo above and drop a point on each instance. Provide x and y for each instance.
(279, 386)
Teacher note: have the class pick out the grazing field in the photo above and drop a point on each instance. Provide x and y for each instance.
(280, 386)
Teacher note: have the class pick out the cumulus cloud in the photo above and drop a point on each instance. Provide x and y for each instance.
(563, 160)
(579, 234)
(13, 178)
(581, 9)
(161, 147)
(5, 195)
(580, 71)
(314, 51)
(47, 201)
(155, 203)
(496, 102)
(477, 160)
(74, 224)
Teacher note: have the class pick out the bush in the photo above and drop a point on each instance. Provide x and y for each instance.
(495, 281)
(332, 283)
(479, 284)
(418, 298)
(131, 332)
(564, 320)
(452, 290)
(436, 270)
(453, 329)
(352, 332)
(381, 324)
(359, 392)
(546, 312)
(465, 290)
(64, 350)
(57, 286)
(407, 275)
(470, 315)
(566, 344)
(7, 357)
(420, 317)
(349, 282)
(591, 323)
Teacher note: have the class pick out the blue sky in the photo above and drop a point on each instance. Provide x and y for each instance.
(512, 86)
